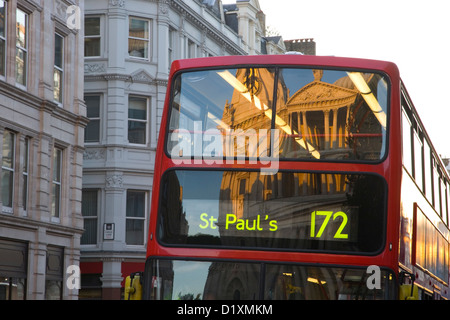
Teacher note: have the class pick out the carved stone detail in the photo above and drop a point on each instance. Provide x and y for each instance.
(94, 68)
(94, 154)
(117, 3)
(114, 181)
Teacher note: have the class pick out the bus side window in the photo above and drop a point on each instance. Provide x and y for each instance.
(443, 200)
(436, 193)
(428, 170)
(447, 202)
(406, 140)
(418, 159)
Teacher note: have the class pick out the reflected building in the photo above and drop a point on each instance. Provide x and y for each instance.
(129, 47)
(320, 118)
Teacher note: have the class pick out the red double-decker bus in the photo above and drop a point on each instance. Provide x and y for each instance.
(295, 177)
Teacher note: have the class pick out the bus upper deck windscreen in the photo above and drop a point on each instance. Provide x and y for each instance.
(318, 114)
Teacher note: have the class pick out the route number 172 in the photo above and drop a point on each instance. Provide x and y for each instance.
(328, 215)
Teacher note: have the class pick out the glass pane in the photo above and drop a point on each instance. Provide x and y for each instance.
(320, 114)
(137, 132)
(92, 106)
(56, 197)
(8, 149)
(293, 282)
(136, 204)
(7, 188)
(57, 165)
(222, 113)
(202, 280)
(289, 210)
(90, 231)
(89, 203)
(221, 280)
(91, 26)
(59, 47)
(2, 57)
(137, 108)
(25, 158)
(2, 18)
(18, 289)
(331, 115)
(139, 28)
(418, 165)
(57, 84)
(92, 47)
(92, 131)
(138, 48)
(406, 143)
(25, 192)
(12, 288)
(21, 70)
(21, 28)
(427, 166)
(135, 231)
(2, 36)
(53, 290)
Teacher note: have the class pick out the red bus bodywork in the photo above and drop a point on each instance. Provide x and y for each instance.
(390, 168)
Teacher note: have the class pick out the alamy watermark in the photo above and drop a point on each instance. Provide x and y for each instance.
(374, 280)
(228, 146)
(73, 17)
(73, 279)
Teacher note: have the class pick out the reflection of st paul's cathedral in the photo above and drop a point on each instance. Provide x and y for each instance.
(317, 120)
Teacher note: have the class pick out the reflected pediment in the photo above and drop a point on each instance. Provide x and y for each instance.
(321, 95)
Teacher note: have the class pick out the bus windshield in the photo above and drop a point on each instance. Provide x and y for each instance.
(317, 114)
(237, 280)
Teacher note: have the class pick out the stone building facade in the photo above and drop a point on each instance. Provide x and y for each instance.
(129, 47)
(42, 120)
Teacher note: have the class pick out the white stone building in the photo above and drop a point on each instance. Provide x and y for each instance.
(42, 120)
(129, 46)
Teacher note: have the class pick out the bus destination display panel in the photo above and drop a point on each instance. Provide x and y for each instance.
(299, 211)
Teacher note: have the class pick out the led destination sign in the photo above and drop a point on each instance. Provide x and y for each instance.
(289, 210)
(232, 221)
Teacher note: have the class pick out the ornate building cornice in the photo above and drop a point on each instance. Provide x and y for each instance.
(183, 9)
(97, 72)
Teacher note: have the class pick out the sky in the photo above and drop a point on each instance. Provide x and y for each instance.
(414, 34)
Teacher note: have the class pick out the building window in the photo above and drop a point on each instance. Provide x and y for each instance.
(2, 37)
(54, 273)
(25, 172)
(139, 38)
(89, 209)
(13, 269)
(92, 130)
(21, 47)
(58, 69)
(135, 217)
(92, 37)
(137, 119)
(56, 183)
(12, 288)
(8, 161)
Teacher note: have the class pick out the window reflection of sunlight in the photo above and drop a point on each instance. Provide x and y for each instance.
(239, 86)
